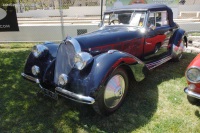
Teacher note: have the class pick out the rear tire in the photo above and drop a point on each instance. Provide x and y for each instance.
(156, 49)
(179, 56)
(112, 95)
(178, 59)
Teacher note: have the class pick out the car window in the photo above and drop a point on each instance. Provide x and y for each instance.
(137, 19)
(158, 19)
(124, 18)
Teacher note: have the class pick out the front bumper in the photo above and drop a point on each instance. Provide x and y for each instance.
(191, 93)
(30, 78)
(75, 97)
(64, 93)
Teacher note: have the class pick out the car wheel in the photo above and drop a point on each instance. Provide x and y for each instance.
(111, 96)
(193, 100)
(179, 56)
(157, 47)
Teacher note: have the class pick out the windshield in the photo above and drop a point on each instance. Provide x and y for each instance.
(124, 18)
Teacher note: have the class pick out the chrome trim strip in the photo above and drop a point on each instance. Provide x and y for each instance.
(192, 67)
(74, 96)
(30, 78)
(112, 51)
(75, 43)
(191, 93)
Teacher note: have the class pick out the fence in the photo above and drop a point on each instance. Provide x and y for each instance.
(53, 20)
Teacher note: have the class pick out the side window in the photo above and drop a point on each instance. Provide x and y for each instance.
(158, 19)
(151, 20)
(161, 18)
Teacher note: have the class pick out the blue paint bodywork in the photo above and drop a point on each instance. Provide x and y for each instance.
(91, 78)
(110, 35)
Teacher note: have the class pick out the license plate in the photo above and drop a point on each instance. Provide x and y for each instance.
(50, 94)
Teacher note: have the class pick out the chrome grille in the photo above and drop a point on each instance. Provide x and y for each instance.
(64, 60)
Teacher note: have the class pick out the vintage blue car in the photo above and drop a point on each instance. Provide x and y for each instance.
(97, 68)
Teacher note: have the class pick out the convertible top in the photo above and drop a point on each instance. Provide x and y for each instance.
(147, 7)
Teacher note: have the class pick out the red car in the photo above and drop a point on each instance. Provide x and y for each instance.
(193, 78)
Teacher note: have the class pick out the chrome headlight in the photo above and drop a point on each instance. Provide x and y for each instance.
(193, 75)
(63, 79)
(35, 70)
(82, 59)
(38, 50)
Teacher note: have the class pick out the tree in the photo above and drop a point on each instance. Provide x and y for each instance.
(5, 2)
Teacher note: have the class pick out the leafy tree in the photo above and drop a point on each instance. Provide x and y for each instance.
(4, 2)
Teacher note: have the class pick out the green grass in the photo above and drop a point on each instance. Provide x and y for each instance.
(194, 34)
(16, 45)
(157, 104)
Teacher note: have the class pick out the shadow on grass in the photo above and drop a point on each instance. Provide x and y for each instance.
(22, 111)
(197, 113)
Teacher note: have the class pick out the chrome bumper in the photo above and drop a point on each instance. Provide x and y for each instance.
(191, 93)
(30, 78)
(75, 97)
(65, 93)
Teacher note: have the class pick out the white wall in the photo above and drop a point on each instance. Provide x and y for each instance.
(53, 33)
(84, 10)
(71, 12)
(80, 11)
(43, 33)
(40, 13)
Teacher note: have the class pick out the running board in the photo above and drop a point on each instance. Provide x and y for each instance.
(158, 63)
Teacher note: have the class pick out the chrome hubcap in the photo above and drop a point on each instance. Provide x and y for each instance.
(114, 91)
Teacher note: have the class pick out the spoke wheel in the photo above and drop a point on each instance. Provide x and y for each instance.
(112, 94)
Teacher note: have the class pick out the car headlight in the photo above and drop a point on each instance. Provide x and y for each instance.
(82, 59)
(193, 75)
(38, 50)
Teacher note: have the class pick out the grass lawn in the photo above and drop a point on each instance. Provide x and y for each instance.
(157, 104)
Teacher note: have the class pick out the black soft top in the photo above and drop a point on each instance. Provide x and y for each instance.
(147, 7)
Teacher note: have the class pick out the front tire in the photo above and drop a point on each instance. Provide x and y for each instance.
(193, 100)
(112, 95)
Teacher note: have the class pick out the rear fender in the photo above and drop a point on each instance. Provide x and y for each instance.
(177, 42)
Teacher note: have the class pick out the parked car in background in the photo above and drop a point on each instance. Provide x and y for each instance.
(192, 75)
(97, 68)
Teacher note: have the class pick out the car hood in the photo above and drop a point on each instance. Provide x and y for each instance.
(106, 36)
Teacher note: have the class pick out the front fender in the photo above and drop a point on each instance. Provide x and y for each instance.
(42, 62)
(100, 69)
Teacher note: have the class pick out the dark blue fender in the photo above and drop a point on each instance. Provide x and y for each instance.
(177, 36)
(43, 62)
(92, 78)
(176, 47)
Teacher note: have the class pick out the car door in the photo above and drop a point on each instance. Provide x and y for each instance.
(158, 35)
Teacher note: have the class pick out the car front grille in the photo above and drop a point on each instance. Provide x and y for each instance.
(64, 60)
